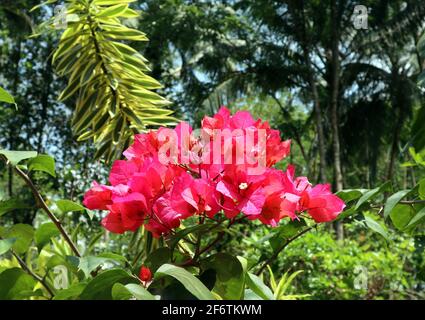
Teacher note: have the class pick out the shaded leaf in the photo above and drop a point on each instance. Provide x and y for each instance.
(100, 287)
(230, 277)
(71, 293)
(417, 218)
(401, 215)
(15, 284)
(6, 244)
(24, 234)
(13, 204)
(44, 233)
(189, 281)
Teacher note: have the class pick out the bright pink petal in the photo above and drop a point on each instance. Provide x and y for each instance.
(112, 222)
(98, 197)
(122, 171)
(253, 204)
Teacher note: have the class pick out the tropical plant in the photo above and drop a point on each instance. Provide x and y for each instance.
(107, 77)
(180, 197)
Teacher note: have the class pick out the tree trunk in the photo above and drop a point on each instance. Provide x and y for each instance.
(12, 125)
(47, 80)
(319, 127)
(335, 70)
(397, 103)
(316, 99)
(394, 145)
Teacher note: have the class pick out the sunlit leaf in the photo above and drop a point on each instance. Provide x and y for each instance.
(189, 281)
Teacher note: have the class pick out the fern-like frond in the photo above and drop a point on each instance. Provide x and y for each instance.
(107, 78)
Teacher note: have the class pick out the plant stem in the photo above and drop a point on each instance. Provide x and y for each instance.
(31, 273)
(42, 204)
(198, 240)
(208, 247)
(276, 253)
(405, 202)
(411, 201)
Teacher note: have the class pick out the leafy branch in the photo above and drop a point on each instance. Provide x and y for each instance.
(107, 78)
(281, 248)
(32, 273)
(42, 204)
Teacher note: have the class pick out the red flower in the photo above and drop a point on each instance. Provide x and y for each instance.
(212, 171)
(241, 192)
(321, 204)
(191, 196)
(145, 274)
(163, 217)
(98, 197)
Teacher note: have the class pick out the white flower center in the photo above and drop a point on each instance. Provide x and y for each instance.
(243, 186)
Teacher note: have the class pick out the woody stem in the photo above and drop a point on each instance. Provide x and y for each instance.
(279, 250)
(42, 204)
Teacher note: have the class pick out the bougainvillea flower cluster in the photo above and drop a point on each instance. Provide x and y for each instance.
(225, 167)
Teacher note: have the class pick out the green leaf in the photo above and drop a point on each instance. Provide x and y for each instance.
(189, 281)
(15, 284)
(71, 293)
(230, 277)
(376, 226)
(12, 204)
(44, 233)
(6, 96)
(42, 4)
(346, 213)
(251, 295)
(284, 283)
(111, 2)
(24, 235)
(100, 287)
(349, 194)
(393, 201)
(421, 189)
(258, 287)
(6, 244)
(112, 11)
(113, 256)
(401, 216)
(17, 156)
(139, 292)
(369, 195)
(69, 206)
(43, 163)
(417, 219)
(157, 258)
(90, 263)
(121, 292)
(70, 262)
